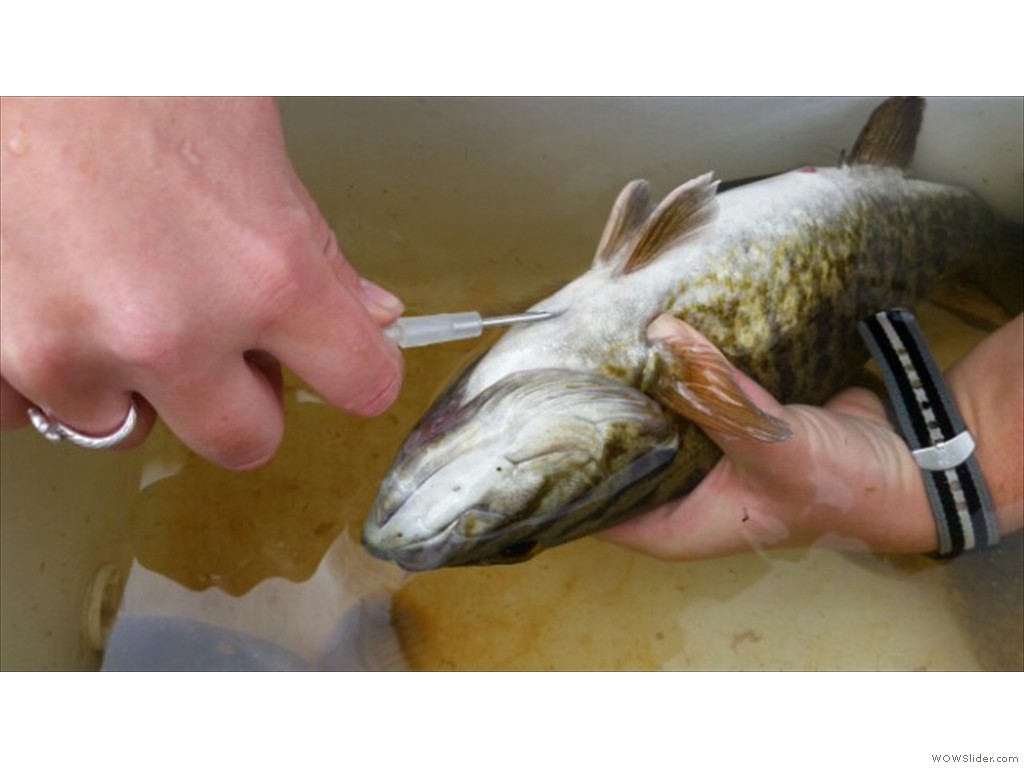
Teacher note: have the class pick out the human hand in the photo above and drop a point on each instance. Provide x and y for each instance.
(166, 248)
(844, 474)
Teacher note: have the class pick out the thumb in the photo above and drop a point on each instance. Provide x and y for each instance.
(699, 383)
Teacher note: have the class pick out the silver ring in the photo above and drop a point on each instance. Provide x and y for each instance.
(54, 431)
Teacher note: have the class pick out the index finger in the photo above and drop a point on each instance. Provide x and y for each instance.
(330, 339)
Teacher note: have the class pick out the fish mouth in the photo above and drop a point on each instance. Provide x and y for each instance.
(441, 549)
(533, 460)
(424, 555)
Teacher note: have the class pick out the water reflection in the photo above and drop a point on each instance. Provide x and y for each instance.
(203, 526)
(340, 618)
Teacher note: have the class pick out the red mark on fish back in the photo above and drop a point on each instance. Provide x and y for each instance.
(808, 169)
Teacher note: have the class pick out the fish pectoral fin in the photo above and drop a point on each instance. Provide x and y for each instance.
(629, 212)
(695, 380)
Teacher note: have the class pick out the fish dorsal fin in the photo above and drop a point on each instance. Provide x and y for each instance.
(628, 214)
(685, 210)
(890, 135)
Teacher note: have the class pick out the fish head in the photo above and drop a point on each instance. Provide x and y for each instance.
(531, 461)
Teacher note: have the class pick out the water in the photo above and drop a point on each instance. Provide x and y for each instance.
(492, 224)
(587, 605)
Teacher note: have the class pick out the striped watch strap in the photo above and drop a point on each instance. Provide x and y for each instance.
(933, 428)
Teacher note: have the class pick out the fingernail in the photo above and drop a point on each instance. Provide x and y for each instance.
(382, 298)
(663, 326)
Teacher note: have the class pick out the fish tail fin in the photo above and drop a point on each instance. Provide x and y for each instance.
(889, 137)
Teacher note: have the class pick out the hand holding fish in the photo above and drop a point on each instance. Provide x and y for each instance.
(161, 256)
(844, 477)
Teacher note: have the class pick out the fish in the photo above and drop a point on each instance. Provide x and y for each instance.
(566, 427)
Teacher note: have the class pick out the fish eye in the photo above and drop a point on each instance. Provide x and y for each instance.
(521, 550)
